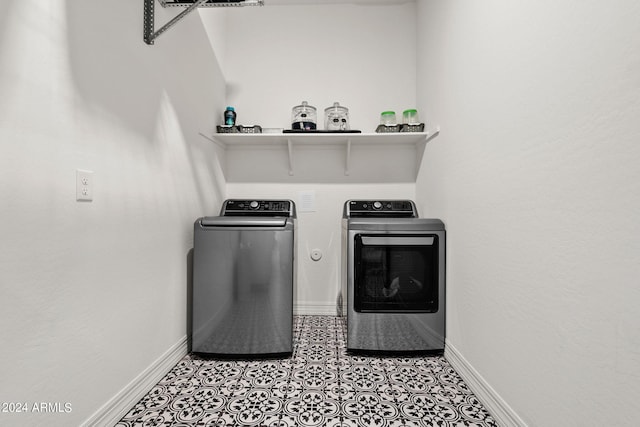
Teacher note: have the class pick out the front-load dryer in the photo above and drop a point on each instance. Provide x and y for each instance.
(394, 269)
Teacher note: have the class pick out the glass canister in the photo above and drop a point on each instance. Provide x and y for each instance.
(388, 118)
(304, 117)
(410, 117)
(336, 118)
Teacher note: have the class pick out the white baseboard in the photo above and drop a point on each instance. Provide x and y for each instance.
(316, 309)
(112, 411)
(504, 415)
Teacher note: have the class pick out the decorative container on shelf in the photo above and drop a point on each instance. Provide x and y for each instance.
(387, 128)
(239, 129)
(400, 128)
(407, 127)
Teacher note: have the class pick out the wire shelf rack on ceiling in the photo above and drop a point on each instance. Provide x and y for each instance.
(150, 34)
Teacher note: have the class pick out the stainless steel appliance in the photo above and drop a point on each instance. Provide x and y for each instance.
(243, 279)
(394, 273)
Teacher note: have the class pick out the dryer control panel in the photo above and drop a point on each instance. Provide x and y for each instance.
(380, 208)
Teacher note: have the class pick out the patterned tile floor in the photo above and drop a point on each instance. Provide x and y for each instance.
(320, 385)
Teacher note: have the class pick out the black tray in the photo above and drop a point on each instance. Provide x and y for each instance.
(319, 131)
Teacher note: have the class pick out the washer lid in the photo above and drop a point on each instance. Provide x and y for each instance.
(230, 221)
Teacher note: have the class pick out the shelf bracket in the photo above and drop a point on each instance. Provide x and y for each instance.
(149, 19)
(149, 32)
(348, 158)
(290, 147)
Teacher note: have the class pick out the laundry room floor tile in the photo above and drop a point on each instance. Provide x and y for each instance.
(319, 385)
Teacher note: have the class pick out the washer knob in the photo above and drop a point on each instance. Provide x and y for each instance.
(377, 205)
(254, 205)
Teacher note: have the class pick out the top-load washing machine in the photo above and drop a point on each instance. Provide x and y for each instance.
(394, 275)
(243, 279)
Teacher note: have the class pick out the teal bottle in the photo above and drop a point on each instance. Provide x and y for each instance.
(230, 116)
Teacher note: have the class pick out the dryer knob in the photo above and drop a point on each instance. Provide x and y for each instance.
(254, 205)
(377, 205)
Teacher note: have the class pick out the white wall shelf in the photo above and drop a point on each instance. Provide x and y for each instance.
(322, 157)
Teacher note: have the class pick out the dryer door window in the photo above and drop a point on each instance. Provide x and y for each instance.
(396, 273)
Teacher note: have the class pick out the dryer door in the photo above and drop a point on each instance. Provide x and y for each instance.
(396, 273)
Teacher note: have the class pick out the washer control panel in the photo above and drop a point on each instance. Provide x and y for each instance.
(380, 208)
(245, 207)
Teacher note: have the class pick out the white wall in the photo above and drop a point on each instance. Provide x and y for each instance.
(214, 20)
(536, 175)
(360, 56)
(92, 293)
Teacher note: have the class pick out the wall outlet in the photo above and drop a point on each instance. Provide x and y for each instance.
(84, 185)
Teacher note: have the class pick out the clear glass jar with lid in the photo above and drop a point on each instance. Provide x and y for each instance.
(410, 117)
(336, 118)
(388, 118)
(304, 117)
